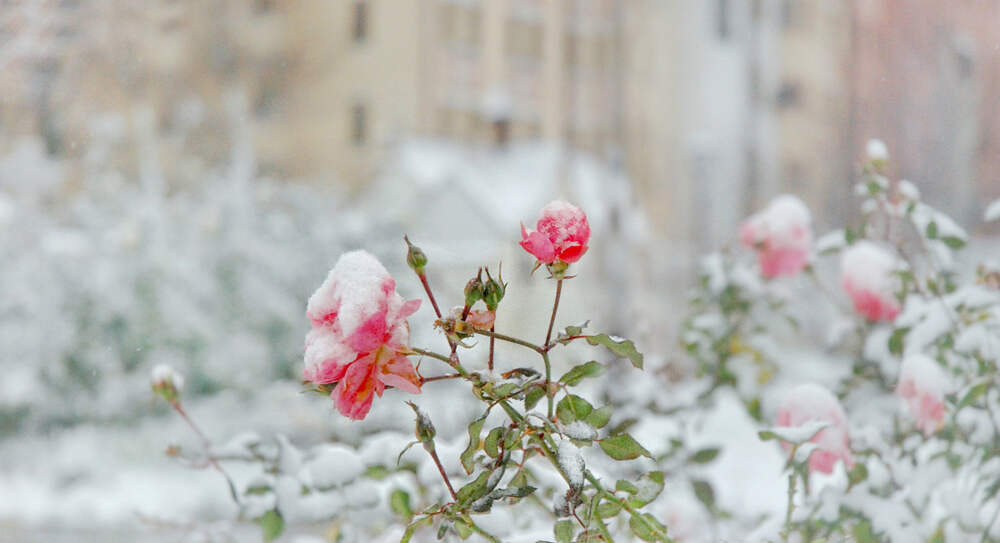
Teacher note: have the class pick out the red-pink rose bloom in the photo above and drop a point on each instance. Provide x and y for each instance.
(867, 273)
(922, 386)
(810, 402)
(360, 337)
(561, 234)
(782, 236)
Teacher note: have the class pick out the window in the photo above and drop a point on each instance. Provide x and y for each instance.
(359, 21)
(359, 124)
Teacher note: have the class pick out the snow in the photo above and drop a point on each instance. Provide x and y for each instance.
(165, 374)
(869, 266)
(352, 290)
(571, 462)
(992, 212)
(332, 466)
(580, 430)
(876, 150)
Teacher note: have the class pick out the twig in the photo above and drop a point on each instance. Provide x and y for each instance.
(207, 445)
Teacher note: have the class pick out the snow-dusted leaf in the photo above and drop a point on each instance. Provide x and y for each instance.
(271, 524)
(794, 434)
(573, 408)
(475, 427)
(564, 530)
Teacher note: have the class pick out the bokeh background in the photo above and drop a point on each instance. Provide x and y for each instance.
(176, 176)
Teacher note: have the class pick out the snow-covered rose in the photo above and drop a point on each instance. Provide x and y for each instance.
(867, 273)
(562, 233)
(781, 234)
(922, 386)
(360, 336)
(811, 402)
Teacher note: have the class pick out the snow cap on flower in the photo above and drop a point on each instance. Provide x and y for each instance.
(867, 273)
(922, 386)
(166, 382)
(561, 234)
(360, 336)
(811, 402)
(781, 234)
(876, 150)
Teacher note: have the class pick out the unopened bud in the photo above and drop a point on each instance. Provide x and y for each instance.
(474, 289)
(493, 291)
(415, 257)
(424, 428)
(167, 382)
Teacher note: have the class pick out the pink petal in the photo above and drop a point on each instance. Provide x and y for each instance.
(399, 373)
(355, 392)
(410, 307)
(538, 245)
(572, 252)
(370, 334)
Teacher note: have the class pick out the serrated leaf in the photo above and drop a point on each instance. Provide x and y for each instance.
(572, 408)
(623, 447)
(704, 492)
(619, 347)
(474, 490)
(532, 397)
(399, 500)
(581, 372)
(704, 455)
(272, 524)
(467, 456)
(490, 446)
(564, 530)
(599, 418)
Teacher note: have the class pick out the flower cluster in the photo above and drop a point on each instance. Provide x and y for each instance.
(560, 236)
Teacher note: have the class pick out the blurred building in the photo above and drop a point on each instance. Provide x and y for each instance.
(710, 106)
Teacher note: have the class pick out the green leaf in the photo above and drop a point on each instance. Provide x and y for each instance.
(573, 408)
(532, 397)
(650, 486)
(896, 341)
(704, 492)
(463, 529)
(599, 418)
(399, 500)
(257, 488)
(974, 394)
(795, 435)
(271, 524)
(623, 447)
(474, 490)
(490, 446)
(475, 427)
(862, 531)
(572, 331)
(953, 242)
(564, 530)
(932, 230)
(857, 474)
(414, 526)
(647, 528)
(704, 456)
(581, 372)
(608, 509)
(626, 486)
(619, 347)
(850, 236)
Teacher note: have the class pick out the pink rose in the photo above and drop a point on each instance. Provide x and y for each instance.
(922, 386)
(781, 234)
(810, 402)
(867, 273)
(562, 234)
(360, 337)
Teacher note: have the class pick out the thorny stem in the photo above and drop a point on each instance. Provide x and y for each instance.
(447, 481)
(207, 445)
